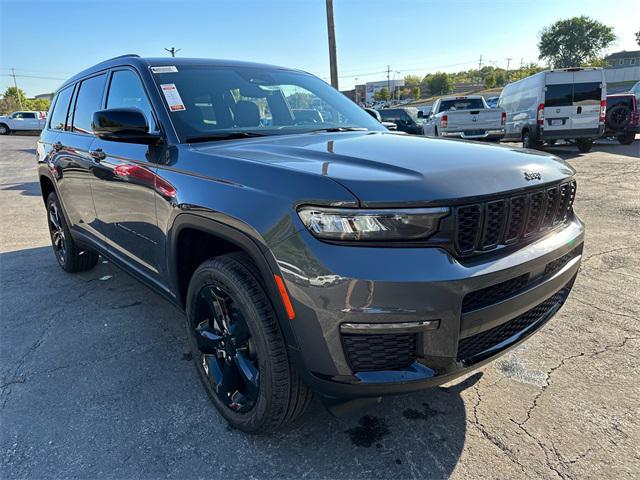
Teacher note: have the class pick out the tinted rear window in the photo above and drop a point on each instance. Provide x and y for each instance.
(560, 95)
(587, 93)
(613, 101)
(61, 106)
(467, 104)
(89, 101)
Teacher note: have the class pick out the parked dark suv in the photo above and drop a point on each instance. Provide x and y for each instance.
(310, 253)
(621, 120)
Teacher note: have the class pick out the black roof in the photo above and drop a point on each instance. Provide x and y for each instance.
(146, 62)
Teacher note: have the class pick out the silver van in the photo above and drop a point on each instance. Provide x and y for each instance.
(565, 104)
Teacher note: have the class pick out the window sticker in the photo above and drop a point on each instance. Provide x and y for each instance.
(173, 97)
(164, 69)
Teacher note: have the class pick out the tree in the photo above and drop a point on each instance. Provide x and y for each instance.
(16, 94)
(415, 92)
(440, 84)
(411, 80)
(382, 94)
(501, 78)
(490, 80)
(638, 37)
(574, 41)
(38, 104)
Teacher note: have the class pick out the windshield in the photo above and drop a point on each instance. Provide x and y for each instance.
(463, 104)
(219, 101)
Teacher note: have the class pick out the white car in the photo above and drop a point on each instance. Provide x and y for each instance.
(22, 121)
(565, 104)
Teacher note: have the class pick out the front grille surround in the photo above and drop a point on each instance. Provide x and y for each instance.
(487, 225)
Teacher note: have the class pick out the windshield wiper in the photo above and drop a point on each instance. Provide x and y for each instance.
(339, 129)
(224, 136)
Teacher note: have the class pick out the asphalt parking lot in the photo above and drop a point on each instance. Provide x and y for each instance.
(95, 381)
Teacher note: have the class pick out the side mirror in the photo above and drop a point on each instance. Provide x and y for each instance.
(123, 125)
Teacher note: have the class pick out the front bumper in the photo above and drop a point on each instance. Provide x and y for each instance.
(472, 135)
(334, 286)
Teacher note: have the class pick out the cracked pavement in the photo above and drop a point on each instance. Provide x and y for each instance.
(95, 383)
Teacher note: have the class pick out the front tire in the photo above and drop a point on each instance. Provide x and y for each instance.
(584, 146)
(238, 348)
(70, 258)
(4, 129)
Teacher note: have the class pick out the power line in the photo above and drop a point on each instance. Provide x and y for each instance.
(31, 76)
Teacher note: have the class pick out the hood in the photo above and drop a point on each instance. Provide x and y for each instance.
(382, 168)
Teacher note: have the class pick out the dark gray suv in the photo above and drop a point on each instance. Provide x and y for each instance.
(312, 250)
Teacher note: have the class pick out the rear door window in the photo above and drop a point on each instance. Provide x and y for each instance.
(60, 109)
(88, 101)
(560, 95)
(587, 93)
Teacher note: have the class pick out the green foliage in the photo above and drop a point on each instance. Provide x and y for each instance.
(411, 80)
(15, 99)
(440, 83)
(490, 80)
(300, 100)
(415, 92)
(638, 37)
(574, 41)
(382, 94)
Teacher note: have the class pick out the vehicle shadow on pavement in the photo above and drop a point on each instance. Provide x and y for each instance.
(96, 379)
(31, 189)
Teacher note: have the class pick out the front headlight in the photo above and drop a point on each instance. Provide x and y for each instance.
(372, 225)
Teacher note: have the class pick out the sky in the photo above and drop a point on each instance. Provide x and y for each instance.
(48, 41)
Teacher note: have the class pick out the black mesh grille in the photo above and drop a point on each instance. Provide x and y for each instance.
(496, 217)
(553, 267)
(517, 214)
(476, 344)
(468, 220)
(367, 353)
(494, 293)
(487, 225)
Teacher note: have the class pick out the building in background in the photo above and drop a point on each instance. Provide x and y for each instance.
(623, 59)
(372, 87)
(622, 70)
(48, 96)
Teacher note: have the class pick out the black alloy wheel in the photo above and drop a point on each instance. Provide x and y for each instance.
(58, 239)
(227, 353)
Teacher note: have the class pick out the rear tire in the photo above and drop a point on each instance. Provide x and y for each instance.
(228, 307)
(528, 141)
(70, 258)
(627, 138)
(584, 146)
(4, 129)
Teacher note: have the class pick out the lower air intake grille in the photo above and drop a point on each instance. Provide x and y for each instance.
(471, 346)
(367, 353)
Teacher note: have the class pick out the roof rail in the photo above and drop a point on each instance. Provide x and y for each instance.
(122, 56)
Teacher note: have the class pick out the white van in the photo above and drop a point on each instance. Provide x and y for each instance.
(565, 104)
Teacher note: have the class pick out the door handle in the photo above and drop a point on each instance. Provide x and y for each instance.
(579, 110)
(97, 154)
(57, 146)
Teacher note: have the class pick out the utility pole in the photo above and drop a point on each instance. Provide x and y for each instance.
(356, 90)
(521, 63)
(333, 61)
(15, 84)
(508, 63)
(388, 78)
(480, 63)
(173, 51)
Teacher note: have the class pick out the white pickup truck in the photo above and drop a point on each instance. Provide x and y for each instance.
(465, 117)
(22, 121)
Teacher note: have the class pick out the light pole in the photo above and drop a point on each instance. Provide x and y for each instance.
(333, 62)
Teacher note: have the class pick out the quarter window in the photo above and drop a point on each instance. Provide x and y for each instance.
(126, 91)
(60, 109)
(89, 101)
(560, 95)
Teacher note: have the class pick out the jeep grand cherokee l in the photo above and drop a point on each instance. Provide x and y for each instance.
(311, 253)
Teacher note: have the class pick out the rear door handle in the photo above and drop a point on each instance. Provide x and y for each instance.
(97, 154)
(579, 110)
(57, 146)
